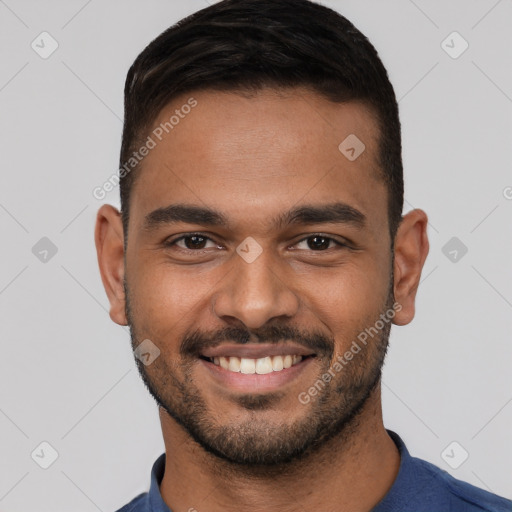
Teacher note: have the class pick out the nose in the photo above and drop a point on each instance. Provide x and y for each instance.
(255, 293)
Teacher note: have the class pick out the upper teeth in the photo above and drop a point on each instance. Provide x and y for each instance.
(261, 366)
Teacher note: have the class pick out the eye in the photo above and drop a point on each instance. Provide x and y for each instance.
(191, 242)
(195, 242)
(318, 243)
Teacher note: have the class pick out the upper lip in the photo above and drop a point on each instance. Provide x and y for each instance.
(256, 351)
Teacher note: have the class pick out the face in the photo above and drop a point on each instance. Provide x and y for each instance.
(254, 244)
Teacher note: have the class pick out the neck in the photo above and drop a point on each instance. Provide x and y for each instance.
(351, 472)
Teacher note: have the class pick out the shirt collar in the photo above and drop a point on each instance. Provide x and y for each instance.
(155, 501)
(410, 479)
(394, 496)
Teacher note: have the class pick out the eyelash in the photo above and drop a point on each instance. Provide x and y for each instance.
(172, 243)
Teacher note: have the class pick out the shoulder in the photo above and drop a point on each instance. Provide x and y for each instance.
(138, 504)
(460, 495)
(150, 501)
(423, 487)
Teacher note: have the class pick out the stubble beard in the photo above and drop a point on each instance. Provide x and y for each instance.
(254, 442)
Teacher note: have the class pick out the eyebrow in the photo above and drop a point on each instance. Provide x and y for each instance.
(335, 213)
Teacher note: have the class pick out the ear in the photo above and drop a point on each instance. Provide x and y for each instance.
(411, 250)
(108, 237)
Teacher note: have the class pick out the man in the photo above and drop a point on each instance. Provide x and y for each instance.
(260, 257)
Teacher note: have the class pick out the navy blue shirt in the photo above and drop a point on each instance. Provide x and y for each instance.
(418, 487)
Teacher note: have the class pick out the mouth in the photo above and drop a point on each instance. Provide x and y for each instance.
(260, 366)
(256, 368)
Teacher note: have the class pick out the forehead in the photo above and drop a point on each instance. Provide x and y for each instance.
(255, 156)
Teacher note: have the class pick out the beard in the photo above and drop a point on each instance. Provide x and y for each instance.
(255, 442)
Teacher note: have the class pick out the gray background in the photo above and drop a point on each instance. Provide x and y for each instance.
(67, 372)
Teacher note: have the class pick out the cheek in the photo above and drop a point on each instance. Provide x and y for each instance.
(348, 300)
(166, 302)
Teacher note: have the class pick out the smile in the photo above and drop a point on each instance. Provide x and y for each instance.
(256, 367)
(261, 366)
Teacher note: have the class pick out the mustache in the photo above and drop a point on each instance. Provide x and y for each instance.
(196, 342)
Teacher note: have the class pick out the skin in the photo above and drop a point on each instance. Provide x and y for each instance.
(253, 158)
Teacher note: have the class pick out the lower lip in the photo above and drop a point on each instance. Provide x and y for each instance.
(254, 382)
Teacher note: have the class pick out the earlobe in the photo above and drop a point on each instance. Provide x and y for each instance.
(411, 250)
(109, 241)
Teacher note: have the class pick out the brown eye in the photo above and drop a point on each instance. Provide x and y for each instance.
(191, 242)
(195, 242)
(318, 243)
